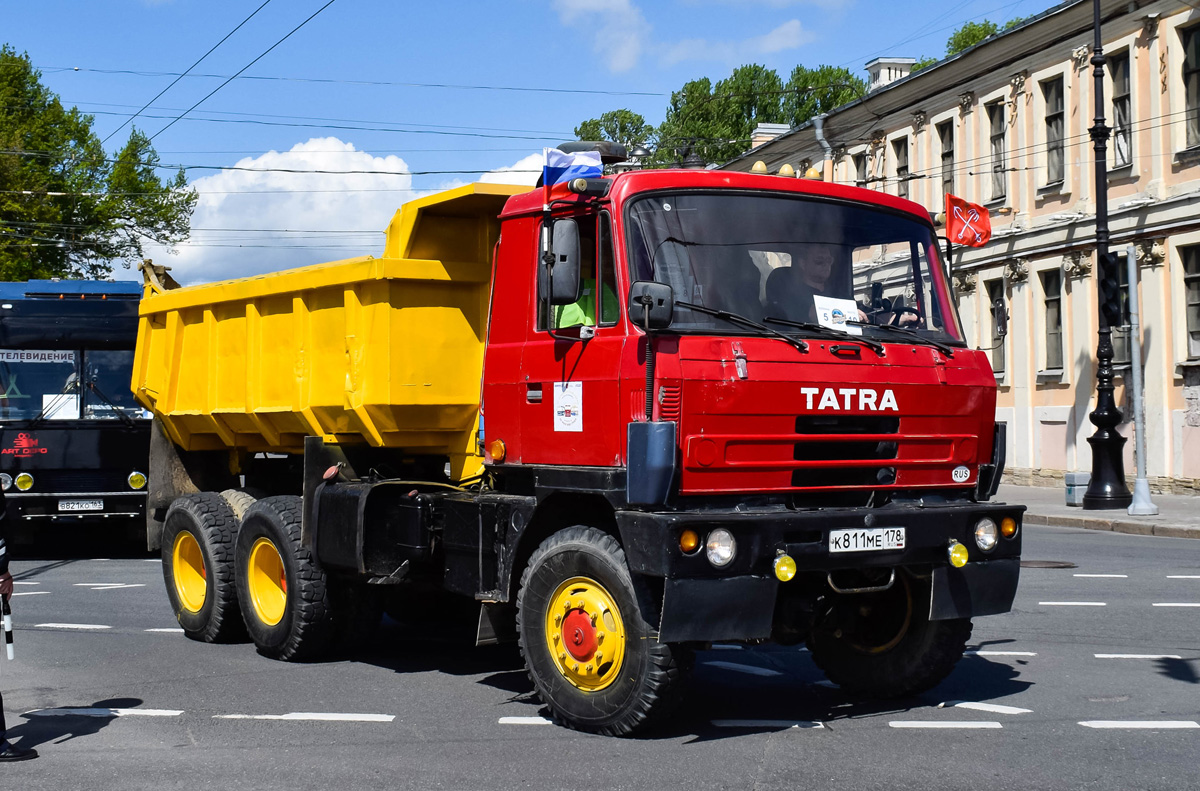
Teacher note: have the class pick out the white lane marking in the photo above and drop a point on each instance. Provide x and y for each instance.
(28, 593)
(153, 560)
(19, 582)
(995, 708)
(94, 712)
(1177, 604)
(1169, 576)
(173, 629)
(525, 721)
(1138, 656)
(783, 724)
(70, 626)
(108, 586)
(999, 653)
(747, 669)
(1104, 576)
(970, 725)
(310, 716)
(1072, 603)
(1157, 725)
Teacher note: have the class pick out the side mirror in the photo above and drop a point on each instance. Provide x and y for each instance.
(876, 296)
(651, 305)
(558, 278)
(1001, 314)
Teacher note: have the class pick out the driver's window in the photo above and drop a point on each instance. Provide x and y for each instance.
(594, 303)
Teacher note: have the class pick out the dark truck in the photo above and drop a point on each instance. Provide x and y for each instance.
(74, 445)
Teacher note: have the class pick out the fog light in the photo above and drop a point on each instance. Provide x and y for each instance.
(689, 541)
(24, 481)
(957, 554)
(721, 547)
(785, 568)
(986, 534)
(136, 480)
(1008, 527)
(5, 481)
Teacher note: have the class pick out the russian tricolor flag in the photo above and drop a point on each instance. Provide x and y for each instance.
(562, 166)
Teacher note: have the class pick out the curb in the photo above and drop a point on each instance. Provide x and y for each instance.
(1114, 525)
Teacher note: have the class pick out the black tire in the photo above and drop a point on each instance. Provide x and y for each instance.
(305, 626)
(649, 682)
(240, 500)
(207, 519)
(891, 649)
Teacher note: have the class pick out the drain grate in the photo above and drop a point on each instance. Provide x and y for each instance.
(1047, 564)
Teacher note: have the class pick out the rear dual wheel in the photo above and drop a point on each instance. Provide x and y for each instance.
(587, 634)
(197, 553)
(284, 594)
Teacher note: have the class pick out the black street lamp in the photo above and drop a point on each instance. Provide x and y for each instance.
(1107, 488)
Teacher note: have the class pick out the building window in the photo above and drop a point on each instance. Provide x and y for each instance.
(995, 292)
(900, 148)
(860, 170)
(1191, 83)
(995, 112)
(1052, 92)
(1191, 290)
(1052, 290)
(1122, 135)
(946, 135)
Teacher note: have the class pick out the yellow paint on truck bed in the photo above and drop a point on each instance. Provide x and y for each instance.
(386, 351)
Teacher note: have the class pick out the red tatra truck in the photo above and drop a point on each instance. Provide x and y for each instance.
(719, 407)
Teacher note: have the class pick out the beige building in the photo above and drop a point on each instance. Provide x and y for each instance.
(1005, 124)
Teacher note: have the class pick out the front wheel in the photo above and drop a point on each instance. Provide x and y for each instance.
(590, 646)
(883, 644)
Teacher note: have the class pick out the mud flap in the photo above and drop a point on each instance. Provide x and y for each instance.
(736, 608)
(979, 588)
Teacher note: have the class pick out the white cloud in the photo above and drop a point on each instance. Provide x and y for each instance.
(789, 35)
(527, 171)
(619, 28)
(312, 204)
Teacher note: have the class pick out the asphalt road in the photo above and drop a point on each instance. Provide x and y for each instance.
(423, 709)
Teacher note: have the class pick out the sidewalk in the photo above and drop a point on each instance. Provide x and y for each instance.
(1178, 515)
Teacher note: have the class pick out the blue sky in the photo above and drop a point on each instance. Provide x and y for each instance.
(316, 112)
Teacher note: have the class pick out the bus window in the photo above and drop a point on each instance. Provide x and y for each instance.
(107, 390)
(39, 382)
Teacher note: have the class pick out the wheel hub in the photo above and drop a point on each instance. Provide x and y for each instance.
(585, 634)
(187, 569)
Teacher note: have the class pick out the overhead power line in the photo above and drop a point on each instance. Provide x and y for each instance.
(248, 65)
(181, 76)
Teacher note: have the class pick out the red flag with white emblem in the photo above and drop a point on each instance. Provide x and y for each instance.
(967, 223)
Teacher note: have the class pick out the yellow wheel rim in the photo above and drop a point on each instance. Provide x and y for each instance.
(187, 568)
(585, 634)
(267, 582)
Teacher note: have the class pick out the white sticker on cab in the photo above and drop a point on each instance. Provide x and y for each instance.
(568, 406)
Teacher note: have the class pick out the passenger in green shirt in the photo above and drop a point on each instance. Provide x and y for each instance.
(583, 311)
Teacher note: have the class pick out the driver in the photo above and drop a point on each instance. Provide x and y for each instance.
(582, 312)
(790, 290)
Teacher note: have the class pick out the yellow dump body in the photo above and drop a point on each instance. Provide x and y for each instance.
(385, 351)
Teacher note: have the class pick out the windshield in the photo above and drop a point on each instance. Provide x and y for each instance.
(796, 258)
(44, 384)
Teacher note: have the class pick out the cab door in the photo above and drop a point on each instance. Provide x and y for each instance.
(570, 411)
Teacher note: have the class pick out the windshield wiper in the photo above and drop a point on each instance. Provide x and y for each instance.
(949, 350)
(737, 318)
(828, 332)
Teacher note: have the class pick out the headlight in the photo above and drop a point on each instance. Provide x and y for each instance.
(721, 547)
(24, 481)
(136, 480)
(986, 534)
(5, 481)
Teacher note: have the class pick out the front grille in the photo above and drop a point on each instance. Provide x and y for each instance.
(847, 424)
(843, 476)
(80, 481)
(843, 448)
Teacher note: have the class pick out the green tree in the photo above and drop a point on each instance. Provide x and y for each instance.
(810, 92)
(969, 35)
(66, 208)
(620, 126)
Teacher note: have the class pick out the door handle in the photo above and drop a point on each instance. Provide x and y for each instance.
(533, 393)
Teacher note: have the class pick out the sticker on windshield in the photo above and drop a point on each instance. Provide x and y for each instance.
(960, 474)
(36, 356)
(834, 313)
(568, 406)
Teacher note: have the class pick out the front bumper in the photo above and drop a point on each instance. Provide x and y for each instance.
(35, 507)
(703, 603)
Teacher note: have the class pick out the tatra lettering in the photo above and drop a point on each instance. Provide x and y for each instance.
(868, 400)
